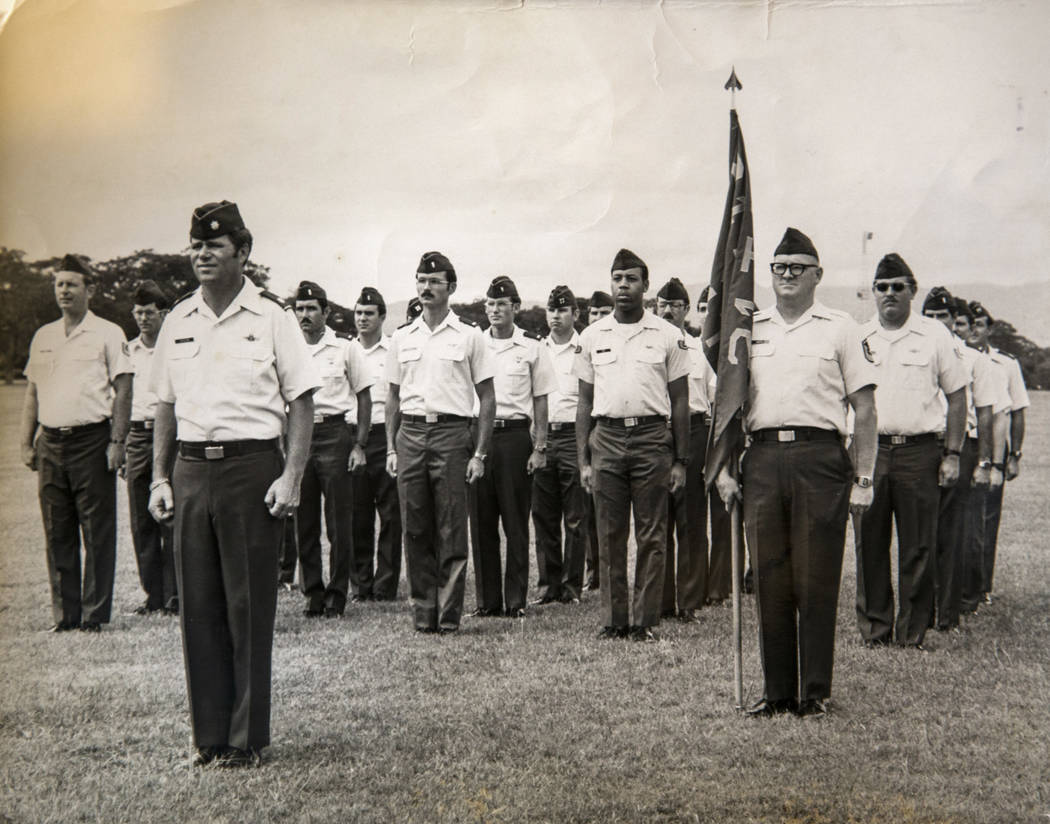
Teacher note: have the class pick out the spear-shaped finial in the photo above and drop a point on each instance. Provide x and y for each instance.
(733, 83)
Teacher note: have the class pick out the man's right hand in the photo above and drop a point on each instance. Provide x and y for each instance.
(587, 479)
(162, 503)
(728, 488)
(391, 464)
(29, 456)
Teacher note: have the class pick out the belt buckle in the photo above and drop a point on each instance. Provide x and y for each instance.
(214, 453)
(147, 424)
(785, 435)
(318, 418)
(630, 422)
(430, 417)
(897, 440)
(499, 424)
(65, 430)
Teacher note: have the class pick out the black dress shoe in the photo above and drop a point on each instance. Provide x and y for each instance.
(481, 612)
(515, 612)
(813, 707)
(591, 586)
(235, 758)
(90, 626)
(313, 612)
(449, 630)
(539, 602)
(360, 598)
(65, 626)
(205, 755)
(428, 630)
(613, 632)
(876, 644)
(332, 612)
(644, 634)
(569, 598)
(689, 616)
(767, 709)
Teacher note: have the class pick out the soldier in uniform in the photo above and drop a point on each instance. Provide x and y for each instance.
(807, 365)
(1008, 460)
(523, 379)
(229, 361)
(79, 395)
(335, 452)
(374, 490)
(152, 540)
(435, 366)
(685, 581)
(916, 361)
(633, 369)
(557, 495)
(599, 305)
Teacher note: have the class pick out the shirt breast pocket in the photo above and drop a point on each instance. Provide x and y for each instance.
(604, 359)
(248, 366)
(650, 355)
(518, 367)
(183, 363)
(915, 369)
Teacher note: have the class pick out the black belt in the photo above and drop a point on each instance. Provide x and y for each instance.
(561, 426)
(798, 433)
(217, 450)
(510, 423)
(627, 423)
(141, 426)
(434, 418)
(703, 416)
(68, 431)
(336, 418)
(902, 440)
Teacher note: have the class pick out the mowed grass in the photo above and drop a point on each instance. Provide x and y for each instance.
(528, 720)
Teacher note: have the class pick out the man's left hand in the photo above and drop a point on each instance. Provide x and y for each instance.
(949, 471)
(1013, 467)
(537, 460)
(114, 456)
(677, 477)
(357, 458)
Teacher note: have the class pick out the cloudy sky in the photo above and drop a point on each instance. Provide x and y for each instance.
(531, 139)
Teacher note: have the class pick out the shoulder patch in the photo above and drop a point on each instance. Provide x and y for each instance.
(869, 356)
(125, 348)
(532, 335)
(266, 293)
(578, 349)
(682, 344)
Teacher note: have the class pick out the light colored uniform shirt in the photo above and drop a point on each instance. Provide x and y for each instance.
(702, 379)
(343, 374)
(914, 365)
(561, 403)
(631, 364)
(74, 375)
(230, 377)
(143, 399)
(523, 372)
(437, 370)
(802, 373)
(987, 386)
(1015, 380)
(375, 367)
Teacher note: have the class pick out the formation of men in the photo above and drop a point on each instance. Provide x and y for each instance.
(231, 413)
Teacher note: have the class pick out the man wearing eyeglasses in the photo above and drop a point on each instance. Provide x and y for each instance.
(435, 365)
(685, 571)
(915, 360)
(807, 368)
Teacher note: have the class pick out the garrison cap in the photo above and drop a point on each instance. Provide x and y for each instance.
(215, 220)
(433, 262)
(962, 308)
(503, 287)
(561, 297)
(600, 299)
(704, 295)
(893, 266)
(414, 309)
(673, 290)
(72, 263)
(371, 297)
(795, 242)
(938, 298)
(308, 290)
(626, 259)
(978, 311)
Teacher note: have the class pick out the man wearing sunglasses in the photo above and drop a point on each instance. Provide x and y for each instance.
(916, 360)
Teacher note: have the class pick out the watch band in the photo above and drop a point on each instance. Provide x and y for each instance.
(863, 481)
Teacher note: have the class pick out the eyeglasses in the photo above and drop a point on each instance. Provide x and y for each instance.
(671, 304)
(796, 269)
(430, 282)
(891, 287)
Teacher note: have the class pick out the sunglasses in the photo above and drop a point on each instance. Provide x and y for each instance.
(891, 287)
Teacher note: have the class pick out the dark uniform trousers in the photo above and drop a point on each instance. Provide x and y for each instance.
(375, 490)
(557, 496)
(990, 510)
(796, 499)
(78, 495)
(590, 536)
(685, 571)
(905, 491)
(432, 489)
(326, 475)
(631, 466)
(288, 555)
(152, 541)
(226, 545)
(954, 538)
(504, 493)
(720, 565)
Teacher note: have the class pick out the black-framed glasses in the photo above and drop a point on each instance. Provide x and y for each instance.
(890, 287)
(425, 281)
(796, 269)
(671, 304)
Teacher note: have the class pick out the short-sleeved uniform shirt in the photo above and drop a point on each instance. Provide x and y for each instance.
(74, 375)
(914, 365)
(1015, 380)
(562, 401)
(802, 373)
(343, 374)
(374, 358)
(437, 370)
(230, 377)
(986, 386)
(523, 372)
(702, 379)
(143, 399)
(631, 364)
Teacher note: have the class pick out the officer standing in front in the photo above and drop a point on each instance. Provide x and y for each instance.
(633, 369)
(335, 452)
(435, 366)
(807, 366)
(557, 495)
(503, 495)
(79, 394)
(599, 305)
(152, 540)
(915, 361)
(229, 360)
(374, 490)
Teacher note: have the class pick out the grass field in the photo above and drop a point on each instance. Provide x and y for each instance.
(528, 720)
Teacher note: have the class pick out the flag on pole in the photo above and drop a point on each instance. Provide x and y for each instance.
(731, 304)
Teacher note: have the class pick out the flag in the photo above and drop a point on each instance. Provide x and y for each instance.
(731, 303)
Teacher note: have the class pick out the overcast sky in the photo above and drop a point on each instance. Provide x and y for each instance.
(529, 139)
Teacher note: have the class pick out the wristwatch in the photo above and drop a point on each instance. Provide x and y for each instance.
(1016, 455)
(985, 464)
(480, 456)
(863, 481)
(948, 452)
(541, 449)
(682, 459)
